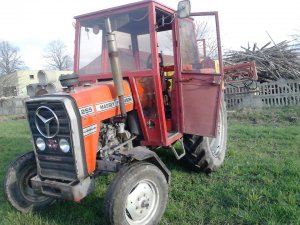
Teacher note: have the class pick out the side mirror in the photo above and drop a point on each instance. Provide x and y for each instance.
(184, 9)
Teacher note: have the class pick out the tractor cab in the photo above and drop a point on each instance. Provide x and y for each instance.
(173, 65)
(145, 76)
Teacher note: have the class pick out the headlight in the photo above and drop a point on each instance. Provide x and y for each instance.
(64, 145)
(40, 143)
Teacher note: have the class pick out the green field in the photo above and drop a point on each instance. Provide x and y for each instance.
(258, 184)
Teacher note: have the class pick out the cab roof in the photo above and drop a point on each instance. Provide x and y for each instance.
(125, 7)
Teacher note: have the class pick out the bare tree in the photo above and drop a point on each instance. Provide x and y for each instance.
(57, 56)
(296, 37)
(206, 37)
(10, 60)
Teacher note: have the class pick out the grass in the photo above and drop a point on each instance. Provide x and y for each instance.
(258, 184)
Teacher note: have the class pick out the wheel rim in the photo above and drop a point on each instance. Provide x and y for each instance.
(25, 185)
(215, 144)
(142, 202)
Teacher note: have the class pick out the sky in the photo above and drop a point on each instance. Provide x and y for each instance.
(32, 24)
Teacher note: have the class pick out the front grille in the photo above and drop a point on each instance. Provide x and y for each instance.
(52, 161)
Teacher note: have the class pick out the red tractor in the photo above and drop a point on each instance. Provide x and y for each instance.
(145, 76)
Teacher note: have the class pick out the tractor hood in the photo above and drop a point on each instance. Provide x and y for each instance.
(96, 103)
(100, 101)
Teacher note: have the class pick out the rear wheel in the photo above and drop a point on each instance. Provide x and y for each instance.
(137, 196)
(17, 185)
(204, 153)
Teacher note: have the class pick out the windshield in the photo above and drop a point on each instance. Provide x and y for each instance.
(133, 40)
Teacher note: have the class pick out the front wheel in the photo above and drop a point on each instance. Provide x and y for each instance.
(204, 153)
(137, 196)
(17, 185)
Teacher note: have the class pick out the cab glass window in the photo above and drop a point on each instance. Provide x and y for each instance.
(131, 30)
(199, 45)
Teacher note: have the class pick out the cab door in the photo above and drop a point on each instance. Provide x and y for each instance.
(200, 75)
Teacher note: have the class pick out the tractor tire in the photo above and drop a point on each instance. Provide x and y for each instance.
(138, 195)
(17, 186)
(204, 153)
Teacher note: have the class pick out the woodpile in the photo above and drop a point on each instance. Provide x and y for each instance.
(280, 60)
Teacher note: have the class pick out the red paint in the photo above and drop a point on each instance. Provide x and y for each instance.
(92, 96)
(195, 96)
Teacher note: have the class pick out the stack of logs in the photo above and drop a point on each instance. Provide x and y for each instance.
(273, 62)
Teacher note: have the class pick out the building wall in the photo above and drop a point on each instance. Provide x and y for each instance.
(15, 84)
(12, 105)
(8, 85)
(26, 77)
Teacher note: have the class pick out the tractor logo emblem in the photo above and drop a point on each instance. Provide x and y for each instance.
(46, 122)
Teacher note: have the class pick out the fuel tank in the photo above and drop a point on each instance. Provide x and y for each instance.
(96, 103)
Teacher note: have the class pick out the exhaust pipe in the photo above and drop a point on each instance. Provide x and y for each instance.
(115, 65)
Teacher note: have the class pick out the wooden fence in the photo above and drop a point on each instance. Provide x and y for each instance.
(272, 94)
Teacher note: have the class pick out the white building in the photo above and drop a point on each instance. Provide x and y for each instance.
(15, 84)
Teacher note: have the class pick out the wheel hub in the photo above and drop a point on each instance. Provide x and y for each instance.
(141, 203)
